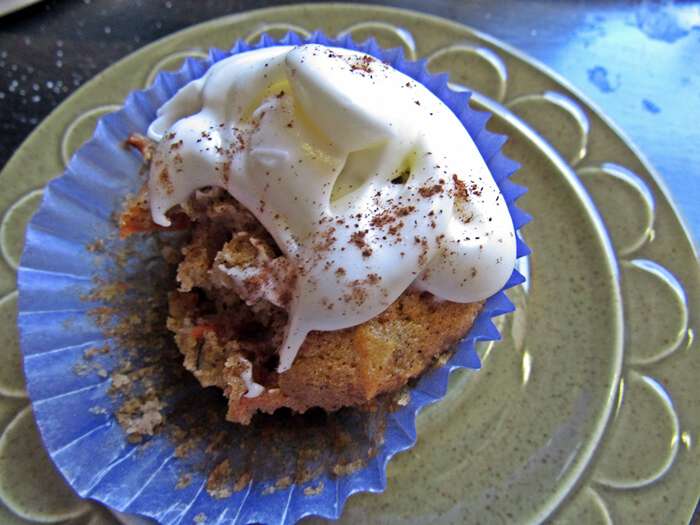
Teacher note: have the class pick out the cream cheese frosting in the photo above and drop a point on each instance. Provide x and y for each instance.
(367, 181)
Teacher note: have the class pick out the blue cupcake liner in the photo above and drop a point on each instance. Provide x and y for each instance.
(58, 272)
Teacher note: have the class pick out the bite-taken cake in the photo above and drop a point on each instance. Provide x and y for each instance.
(343, 228)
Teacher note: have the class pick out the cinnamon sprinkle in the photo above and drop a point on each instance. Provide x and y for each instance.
(461, 191)
(166, 183)
(429, 191)
(362, 64)
(358, 239)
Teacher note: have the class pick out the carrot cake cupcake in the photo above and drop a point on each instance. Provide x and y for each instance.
(343, 228)
(320, 225)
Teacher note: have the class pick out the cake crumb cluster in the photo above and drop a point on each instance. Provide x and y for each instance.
(229, 311)
(153, 395)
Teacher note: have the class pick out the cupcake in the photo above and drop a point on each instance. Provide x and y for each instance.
(325, 223)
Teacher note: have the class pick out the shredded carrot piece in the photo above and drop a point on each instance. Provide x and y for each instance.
(130, 223)
(200, 330)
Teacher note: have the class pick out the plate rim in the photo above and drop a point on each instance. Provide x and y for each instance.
(654, 175)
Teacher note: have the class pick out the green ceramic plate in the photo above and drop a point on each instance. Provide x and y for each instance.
(586, 412)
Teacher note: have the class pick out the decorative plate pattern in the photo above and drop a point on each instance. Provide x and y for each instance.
(610, 429)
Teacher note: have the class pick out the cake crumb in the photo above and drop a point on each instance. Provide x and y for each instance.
(242, 481)
(140, 417)
(218, 481)
(97, 246)
(119, 381)
(343, 469)
(314, 491)
(404, 398)
(184, 481)
(443, 359)
(94, 351)
(184, 449)
(283, 482)
(81, 369)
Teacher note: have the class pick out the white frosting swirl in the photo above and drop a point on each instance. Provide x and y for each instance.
(309, 139)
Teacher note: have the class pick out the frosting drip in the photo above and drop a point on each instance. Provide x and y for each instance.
(366, 180)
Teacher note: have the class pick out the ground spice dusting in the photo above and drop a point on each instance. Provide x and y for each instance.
(429, 191)
(460, 188)
(373, 278)
(395, 229)
(358, 238)
(361, 64)
(327, 238)
(357, 295)
(165, 182)
(382, 219)
(225, 171)
(403, 211)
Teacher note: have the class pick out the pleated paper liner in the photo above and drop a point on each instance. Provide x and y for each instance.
(98, 358)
